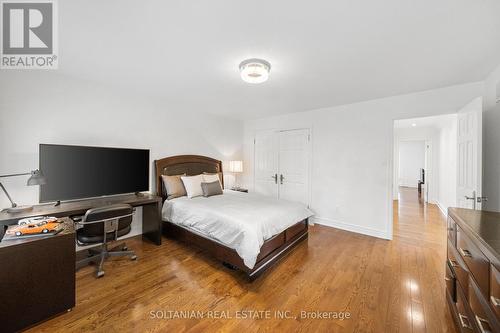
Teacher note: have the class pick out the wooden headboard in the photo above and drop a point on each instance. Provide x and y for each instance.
(189, 164)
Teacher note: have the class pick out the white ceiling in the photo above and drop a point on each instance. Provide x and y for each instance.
(323, 53)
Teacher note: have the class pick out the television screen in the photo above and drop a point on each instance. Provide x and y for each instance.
(76, 172)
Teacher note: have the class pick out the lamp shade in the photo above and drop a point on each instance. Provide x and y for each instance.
(236, 166)
(36, 178)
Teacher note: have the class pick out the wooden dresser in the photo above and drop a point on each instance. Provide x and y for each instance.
(473, 269)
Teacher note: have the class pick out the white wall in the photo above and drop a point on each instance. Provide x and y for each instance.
(411, 160)
(426, 134)
(44, 107)
(491, 142)
(352, 154)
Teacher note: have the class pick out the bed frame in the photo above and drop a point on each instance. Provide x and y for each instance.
(271, 251)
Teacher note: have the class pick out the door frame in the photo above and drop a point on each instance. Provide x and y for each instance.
(309, 151)
(392, 168)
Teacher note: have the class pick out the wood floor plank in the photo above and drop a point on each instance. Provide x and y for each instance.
(386, 286)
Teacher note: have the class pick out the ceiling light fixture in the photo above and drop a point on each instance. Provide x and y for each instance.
(254, 70)
(414, 125)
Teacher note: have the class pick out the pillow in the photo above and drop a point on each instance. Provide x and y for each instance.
(173, 186)
(212, 188)
(192, 184)
(212, 177)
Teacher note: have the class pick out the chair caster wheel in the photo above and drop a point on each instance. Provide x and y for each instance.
(133, 258)
(124, 248)
(100, 274)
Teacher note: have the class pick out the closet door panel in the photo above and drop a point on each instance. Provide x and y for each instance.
(294, 165)
(266, 163)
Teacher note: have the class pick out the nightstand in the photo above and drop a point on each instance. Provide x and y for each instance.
(240, 189)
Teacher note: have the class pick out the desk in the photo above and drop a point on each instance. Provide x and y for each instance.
(151, 211)
(37, 279)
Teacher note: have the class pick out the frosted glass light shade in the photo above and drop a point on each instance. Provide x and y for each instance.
(254, 70)
(236, 166)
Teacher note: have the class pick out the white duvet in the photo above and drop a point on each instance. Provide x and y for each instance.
(241, 221)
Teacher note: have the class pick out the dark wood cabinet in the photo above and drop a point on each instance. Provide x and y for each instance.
(37, 279)
(473, 269)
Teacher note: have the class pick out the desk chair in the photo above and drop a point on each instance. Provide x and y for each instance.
(100, 226)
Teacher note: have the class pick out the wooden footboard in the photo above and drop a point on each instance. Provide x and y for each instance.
(270, 252)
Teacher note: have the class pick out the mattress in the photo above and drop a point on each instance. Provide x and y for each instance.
(241, 221)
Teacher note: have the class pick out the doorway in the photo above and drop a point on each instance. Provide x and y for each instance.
(452, 175)
(425, 165)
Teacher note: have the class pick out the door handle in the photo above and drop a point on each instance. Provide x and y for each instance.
(482, 199)
(473, 198)
(275, 177)
(281, 179)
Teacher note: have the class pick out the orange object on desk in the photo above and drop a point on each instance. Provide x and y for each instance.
(37, 228)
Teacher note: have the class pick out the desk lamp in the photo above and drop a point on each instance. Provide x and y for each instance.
(36, 178)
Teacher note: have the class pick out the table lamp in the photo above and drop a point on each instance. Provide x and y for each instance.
(236, 167)
(36, 178)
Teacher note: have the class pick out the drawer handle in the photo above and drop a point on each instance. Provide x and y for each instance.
(495, 301)
(462, 321)
(480, 322)
(453, 263)
(464, 253)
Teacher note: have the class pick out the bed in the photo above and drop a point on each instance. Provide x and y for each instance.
(245, 231)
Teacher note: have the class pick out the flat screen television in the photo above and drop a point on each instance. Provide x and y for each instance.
(77, 172)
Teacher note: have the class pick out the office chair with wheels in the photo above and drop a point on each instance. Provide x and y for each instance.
(101, 226)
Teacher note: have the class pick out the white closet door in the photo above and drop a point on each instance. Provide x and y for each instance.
(294, 165)
(469, 154)
(266, 164)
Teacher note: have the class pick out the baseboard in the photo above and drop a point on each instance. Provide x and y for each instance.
(351, 227)
(442, 209)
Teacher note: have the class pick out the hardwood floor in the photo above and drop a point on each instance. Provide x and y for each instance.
(385, 286)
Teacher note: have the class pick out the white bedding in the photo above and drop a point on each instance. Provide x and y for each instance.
(241, 221)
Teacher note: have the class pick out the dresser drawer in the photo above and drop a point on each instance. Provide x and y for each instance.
(483, 316)
(475, 260)
(451, 282)
(451, 231)
(458, 268)
(465, 316)
(494, 298)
